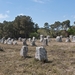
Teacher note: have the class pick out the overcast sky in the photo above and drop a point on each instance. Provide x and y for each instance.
(40, 11)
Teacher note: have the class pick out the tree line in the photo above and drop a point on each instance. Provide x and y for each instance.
(23, 26)
(58, 28)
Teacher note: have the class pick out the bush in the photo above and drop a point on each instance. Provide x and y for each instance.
(34, 34)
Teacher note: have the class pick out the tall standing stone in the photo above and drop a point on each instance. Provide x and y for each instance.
(2, 40)
(41, 38)
(33, 39)
(73, 39)
(48, 38)
(24, 51)
(41, 54)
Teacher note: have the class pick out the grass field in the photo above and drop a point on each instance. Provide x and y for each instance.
(61, 59)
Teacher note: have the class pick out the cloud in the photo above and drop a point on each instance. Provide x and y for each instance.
(3, 16)
(7, 11)
(41, 1)
(21, 14)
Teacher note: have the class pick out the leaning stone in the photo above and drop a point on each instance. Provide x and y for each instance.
(41, 54)
(24, 51)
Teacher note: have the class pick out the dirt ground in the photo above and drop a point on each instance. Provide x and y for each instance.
(61, 59)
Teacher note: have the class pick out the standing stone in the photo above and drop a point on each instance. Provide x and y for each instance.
(73, 39)
(10, 42)
(29, 40)
(45, 42)
(2, 40)
(41, 38)
(58, 39)
(68, 39)
(24, 51)
(41, 54)
(61, 36)
(15, 42)
(33, 39)
(20, 39)
(48, 38)
(71, 36)
(33, 43)
(24, 42)
(8, 39)
(5, 42)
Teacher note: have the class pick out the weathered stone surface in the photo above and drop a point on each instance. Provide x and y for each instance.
(29, 40)
(33, 39)
(20, 39)
(45, 42)
(58, 39)
(15, 42)
(24, 42)
(33, 43)
(73, 40)
(68, 39)
(41, 54)
(48, 38)
(5, 42)
(2, 40)
(10, 42)
(71, 36)
(24, 51)
(41, 38)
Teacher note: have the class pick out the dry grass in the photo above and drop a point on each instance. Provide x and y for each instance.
(61, 60)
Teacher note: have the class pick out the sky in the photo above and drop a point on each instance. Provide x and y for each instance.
(40, 11)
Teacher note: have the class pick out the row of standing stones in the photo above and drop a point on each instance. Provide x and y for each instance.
(41, 53)
(32, 41)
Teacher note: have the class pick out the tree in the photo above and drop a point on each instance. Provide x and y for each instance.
(36, 27)
(66, 24)
(46, 25)
(23, 26)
